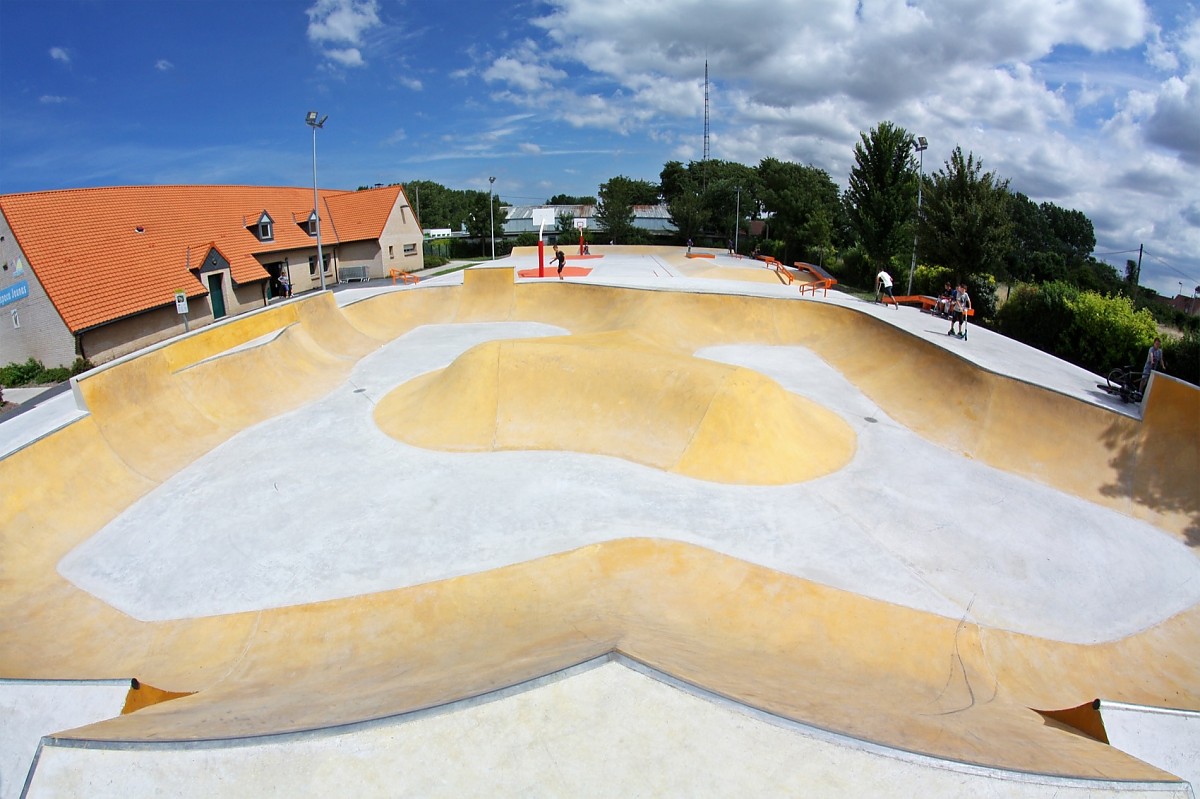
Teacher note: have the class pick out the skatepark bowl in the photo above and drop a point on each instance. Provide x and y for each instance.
(663, 527)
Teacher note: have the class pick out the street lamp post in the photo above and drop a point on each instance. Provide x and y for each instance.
(737, 219)
(919, 145)
(492, 217)
(312, 122)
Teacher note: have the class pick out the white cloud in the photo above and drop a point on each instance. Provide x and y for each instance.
(1060, 96)
(522, 75)
(410, 83)
(346, 56)
(60, 54)
(1174, 122)
(340, 25)
(163, 65)
(52, 99)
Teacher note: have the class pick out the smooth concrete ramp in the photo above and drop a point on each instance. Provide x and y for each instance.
(852, 601)
(611, 727)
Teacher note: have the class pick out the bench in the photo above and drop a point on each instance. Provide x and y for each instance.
(928, 304)
(348, 273)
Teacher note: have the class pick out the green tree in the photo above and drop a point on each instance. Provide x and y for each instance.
(1072, 234)
(881, 194)
(614, 212)
(688, 213)
(803, 202)
(564, 223)
(480, 221)
(964, 221)
(723, 189)
(568, 199)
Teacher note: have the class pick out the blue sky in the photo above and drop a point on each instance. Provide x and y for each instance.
(1089, 104)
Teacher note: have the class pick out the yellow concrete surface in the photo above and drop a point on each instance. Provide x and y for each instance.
(675, 412)
(876, 671)
(843, 662)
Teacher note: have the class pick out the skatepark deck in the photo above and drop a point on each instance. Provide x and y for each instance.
(812, 522)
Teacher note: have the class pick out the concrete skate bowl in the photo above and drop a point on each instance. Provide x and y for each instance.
(791, 648)
(621, 395)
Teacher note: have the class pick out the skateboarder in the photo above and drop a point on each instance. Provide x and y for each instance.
(561, 258)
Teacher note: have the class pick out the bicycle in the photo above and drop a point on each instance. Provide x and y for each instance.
(1124, 382)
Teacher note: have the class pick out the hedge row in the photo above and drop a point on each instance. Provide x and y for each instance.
(1098, 333)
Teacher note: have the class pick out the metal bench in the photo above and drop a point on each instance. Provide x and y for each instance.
(348, 273)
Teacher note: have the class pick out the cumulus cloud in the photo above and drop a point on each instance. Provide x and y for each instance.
(60, 54)
(1174, 121)
(339, 27)
(1068, 98)
(163, 65)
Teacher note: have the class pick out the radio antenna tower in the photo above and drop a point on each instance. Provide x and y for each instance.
(705, 110)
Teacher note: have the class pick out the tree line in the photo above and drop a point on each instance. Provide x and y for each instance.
(971, 227)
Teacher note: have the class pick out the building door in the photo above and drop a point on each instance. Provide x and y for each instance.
(216, 296)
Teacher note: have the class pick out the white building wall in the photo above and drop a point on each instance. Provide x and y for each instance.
(41, 334)
(401, 242)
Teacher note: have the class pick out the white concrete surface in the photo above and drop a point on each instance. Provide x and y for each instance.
(613, 729)
(31, 709)
(1046, 563)
(1167, 738)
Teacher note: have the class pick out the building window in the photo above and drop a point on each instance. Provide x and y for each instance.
(312, 264)
(264, 230)
(16, 319)
(410, 249)
(391, 251)
(312, 223)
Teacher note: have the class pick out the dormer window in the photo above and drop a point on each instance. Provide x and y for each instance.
(264, 228)
(312, 224)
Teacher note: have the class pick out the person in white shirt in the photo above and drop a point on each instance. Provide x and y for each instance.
(883, 284)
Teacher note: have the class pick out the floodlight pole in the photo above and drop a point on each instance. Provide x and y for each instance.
(737, 220)
(920, 144)
(491, 216)
(311, 120)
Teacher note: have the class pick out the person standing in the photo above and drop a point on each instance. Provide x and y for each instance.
(1154, 362)
(962, 305)
(561, 258)
(883, 285)
(689, 246)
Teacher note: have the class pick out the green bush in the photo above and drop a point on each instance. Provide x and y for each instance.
(1182, 356)
(1106, 332)
(1038, 314)
(931, 280)
(982, 288)
(1094, 332)
(20, 374)
(32, 372)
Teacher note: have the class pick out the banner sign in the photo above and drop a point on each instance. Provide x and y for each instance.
(17, 291)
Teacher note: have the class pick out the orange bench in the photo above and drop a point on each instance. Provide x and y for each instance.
(822, 281)
(405, 277)
(926, 302)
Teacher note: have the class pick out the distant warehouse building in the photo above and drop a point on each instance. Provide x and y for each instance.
(94, 273)
(653, 219)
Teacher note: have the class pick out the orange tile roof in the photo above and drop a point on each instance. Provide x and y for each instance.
(85, 248)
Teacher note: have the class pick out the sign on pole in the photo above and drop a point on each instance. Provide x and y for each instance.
(181, 305)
